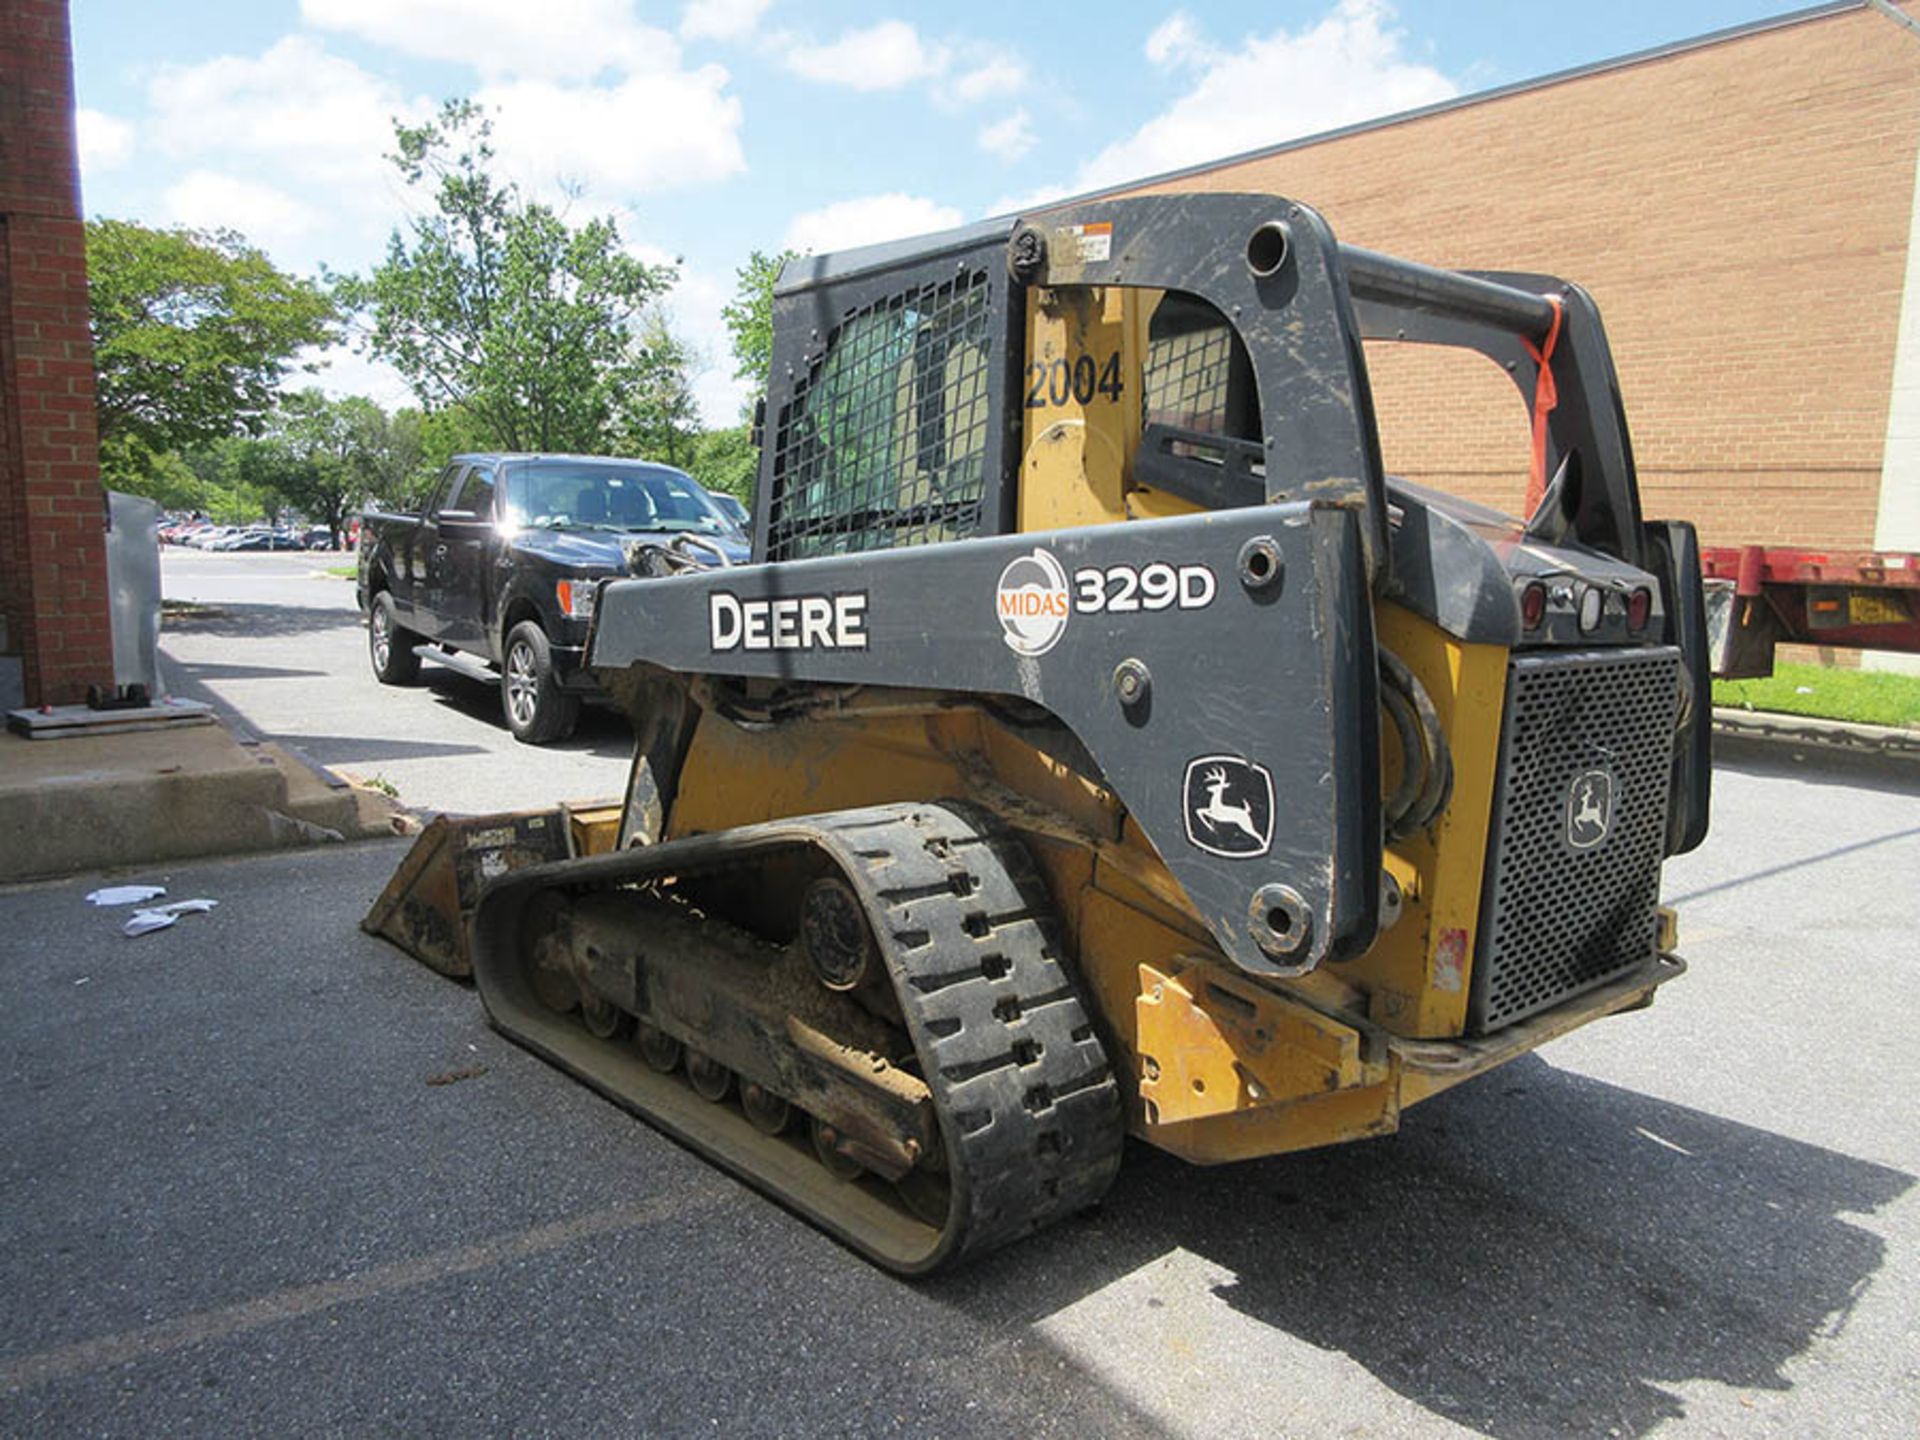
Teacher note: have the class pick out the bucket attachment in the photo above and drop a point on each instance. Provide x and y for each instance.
(428, 902)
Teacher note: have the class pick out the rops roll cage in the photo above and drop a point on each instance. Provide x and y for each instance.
(1301, 303)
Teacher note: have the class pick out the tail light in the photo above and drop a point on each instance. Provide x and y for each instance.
(1533, 605)
(1639, 608)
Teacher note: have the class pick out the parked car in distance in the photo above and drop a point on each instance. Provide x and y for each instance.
(732, 505)
(260, 540)
(501, 569)
(317, 537)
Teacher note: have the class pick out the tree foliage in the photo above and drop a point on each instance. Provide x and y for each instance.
(494, 303)
(326, 458)
(193, 335)
(726, 460)
(749, 319)
(658, 417)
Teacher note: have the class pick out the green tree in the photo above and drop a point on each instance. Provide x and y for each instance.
(193, 335)
(726, 460)
(326, 458)
(223, 492)
(495, 304)
(749, 319)
(658, 417)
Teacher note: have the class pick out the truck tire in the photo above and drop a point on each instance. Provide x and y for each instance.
(536, 709)
(390, 644)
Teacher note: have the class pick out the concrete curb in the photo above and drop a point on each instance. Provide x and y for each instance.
(114, 801)
(1804, 732)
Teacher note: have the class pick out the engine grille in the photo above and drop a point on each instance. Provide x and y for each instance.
(1579, 827)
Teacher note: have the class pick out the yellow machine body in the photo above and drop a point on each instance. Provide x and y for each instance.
(1221, 1067)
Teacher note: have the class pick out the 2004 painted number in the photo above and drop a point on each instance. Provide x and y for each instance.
(1057, 382)
(1122, 590)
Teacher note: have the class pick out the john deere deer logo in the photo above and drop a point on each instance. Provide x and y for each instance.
(1589, 809)
(1229, 806)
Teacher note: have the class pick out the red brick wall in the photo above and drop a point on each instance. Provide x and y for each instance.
(1739, 210)
(52, 509)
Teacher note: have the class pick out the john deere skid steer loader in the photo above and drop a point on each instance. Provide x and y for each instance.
(1101, 744)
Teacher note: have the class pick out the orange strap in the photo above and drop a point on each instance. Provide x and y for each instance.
(1545, 397)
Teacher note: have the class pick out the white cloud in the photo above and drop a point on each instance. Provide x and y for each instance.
(550, 39)
(721, 19)
(694, 307)
(1009, 138)
(1348, 67)
(998, 75)
(647, 133)
(885, 56)
(300, 114)
(266, 216)
(868, 221)
(1177, 41)
(312, 115)
(104, 141)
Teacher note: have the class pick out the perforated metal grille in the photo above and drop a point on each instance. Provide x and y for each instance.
(1575, 867)
(885, 441)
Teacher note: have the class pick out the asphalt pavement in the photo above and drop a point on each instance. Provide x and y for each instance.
(261, 1173)
(280, 647)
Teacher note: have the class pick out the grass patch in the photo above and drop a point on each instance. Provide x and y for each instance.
(345, 572)
(1865, 697)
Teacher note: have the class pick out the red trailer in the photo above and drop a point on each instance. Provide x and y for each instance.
(1759, 596)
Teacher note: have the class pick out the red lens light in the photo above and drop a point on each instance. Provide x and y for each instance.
(1533, 605)
(1639, 607)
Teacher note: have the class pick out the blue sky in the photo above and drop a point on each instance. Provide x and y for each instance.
(710, 128)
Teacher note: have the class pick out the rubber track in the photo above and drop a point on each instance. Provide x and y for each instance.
(1032, 1111)
(1029, 1108)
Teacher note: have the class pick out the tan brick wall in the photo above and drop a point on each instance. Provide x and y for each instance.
(1740, 211)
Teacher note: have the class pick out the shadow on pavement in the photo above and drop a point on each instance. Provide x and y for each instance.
(252, 621)
(1780, 759)
(601, 731)
(204, 670)
(352, 750)
(1536, 1254)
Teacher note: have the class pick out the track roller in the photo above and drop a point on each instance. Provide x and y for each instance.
(710, 1079)
(910, 1007)
(657, 1048)
(765, 1111)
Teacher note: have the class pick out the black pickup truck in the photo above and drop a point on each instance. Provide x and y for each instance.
(500, 569)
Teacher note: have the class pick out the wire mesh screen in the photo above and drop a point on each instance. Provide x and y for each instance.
(1184, 379)
(885, 441)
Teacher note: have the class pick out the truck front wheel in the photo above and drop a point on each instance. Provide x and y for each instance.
(390, 644)
(536, 709)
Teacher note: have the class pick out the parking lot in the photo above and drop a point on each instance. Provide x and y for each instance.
(265, 1174)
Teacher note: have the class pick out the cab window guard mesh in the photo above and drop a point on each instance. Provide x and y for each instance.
(886, 440)
(1197, 375)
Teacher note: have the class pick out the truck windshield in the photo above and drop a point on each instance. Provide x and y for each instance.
(609, 495)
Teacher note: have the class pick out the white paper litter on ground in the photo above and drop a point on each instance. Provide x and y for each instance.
(161, 916)
(125, 894)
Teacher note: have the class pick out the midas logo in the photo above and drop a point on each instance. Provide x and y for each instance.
(1033, 603)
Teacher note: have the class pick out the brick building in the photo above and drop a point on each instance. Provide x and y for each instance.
(1742, 208)
(55, 631)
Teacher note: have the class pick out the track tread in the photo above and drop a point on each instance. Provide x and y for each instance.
(1032, 1118)
(1034, 1095)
